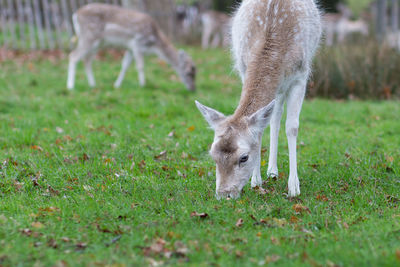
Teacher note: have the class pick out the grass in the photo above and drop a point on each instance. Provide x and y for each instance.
(82, 182)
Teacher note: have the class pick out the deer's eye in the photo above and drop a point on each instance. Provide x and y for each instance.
(243, 159)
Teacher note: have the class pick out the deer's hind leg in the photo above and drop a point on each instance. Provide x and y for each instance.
(81, 51)
(139, 59)
(88, 61)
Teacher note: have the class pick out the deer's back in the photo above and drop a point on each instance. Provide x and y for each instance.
(106, 20)
(290, 29)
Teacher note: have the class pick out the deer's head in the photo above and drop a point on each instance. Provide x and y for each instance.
(236, 147)
(187, 71)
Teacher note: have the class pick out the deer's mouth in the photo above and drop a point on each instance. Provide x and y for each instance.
(225, 194)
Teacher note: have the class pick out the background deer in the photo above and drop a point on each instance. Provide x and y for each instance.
(329, 26)
(346, 27)
(102, 24)
(340, 25)
(215, 28)
(273, 45)
(392, 39)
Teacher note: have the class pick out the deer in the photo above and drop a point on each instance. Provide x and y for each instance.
(392, 40)
(329, 26)
(341, 25)
(106, 25)
(346, 27)
(273, 43)
(215, 28)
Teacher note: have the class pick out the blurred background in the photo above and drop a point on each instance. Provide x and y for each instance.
(359, 57)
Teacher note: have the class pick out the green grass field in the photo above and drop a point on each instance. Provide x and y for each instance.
(105, 177)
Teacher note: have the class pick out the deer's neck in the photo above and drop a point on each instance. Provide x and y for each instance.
(262, 79)
(167, 51)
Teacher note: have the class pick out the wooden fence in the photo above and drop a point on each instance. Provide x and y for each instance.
(39, 24)
(46, 24)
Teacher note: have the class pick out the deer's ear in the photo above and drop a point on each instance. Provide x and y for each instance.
(261, 118)
(212, 116)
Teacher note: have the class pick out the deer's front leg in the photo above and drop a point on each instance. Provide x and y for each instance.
(274, 134)
(256, 179)
(294, 104)
(126, 62)
(74, 58)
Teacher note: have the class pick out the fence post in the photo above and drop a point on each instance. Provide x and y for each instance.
(29, 15)
(38, 23)
(46, 14)
(3, 22)
(395, 15)
(55, 12)
(11, 22)
(21, 24)
(66, 17)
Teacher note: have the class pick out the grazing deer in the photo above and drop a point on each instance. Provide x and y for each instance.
(215, 28)
(273, 45)
(341, 25)
(329, 26)
(346, 27)
(392, 39)
(102, 24)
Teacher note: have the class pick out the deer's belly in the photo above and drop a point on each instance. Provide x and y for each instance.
(116, 35)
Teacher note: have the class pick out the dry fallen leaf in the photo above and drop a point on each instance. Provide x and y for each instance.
(85, 157)
(294, 219)
(162, 155)
(81, 246)
(37, 225)
(59, 130)
(142, 164)
(298, 208)
(52, 243)
(239, 223)
(260, 190)
(201, 215)
(38, 148)
(272, 258)
(26, 231)
(156, 248)
(239, 254)
(275, 240)
(181, 249)
(191, 128)
(321, 197)
(398, 254)
(65, 239)
(389, 159)
(49, 209)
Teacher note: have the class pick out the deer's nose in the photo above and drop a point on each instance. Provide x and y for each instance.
(227, 194)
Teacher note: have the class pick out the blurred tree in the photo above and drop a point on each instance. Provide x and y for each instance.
(395, 15)
(381, 19)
